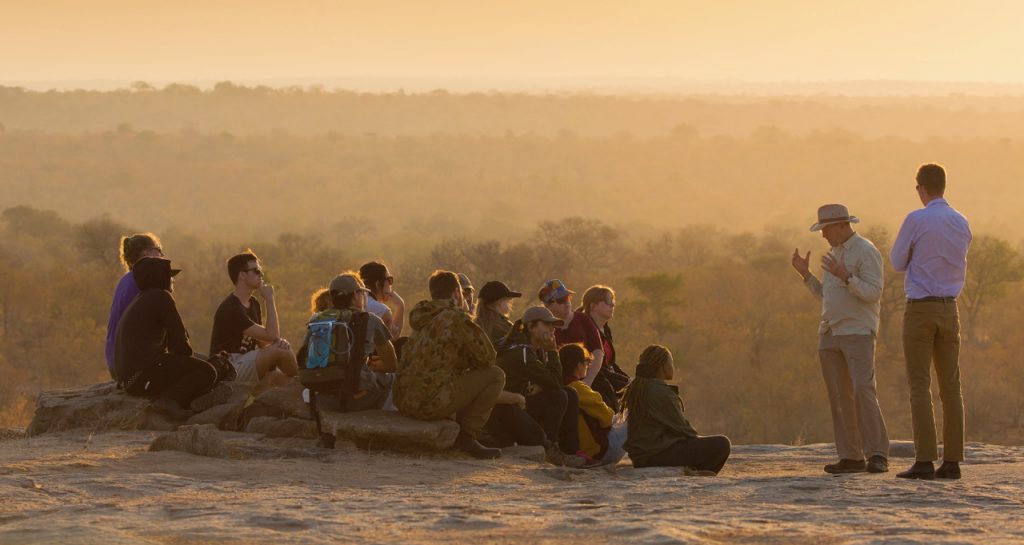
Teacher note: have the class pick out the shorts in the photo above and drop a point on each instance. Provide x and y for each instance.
(245, 365)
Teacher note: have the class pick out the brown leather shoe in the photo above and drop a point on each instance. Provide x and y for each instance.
(948, 470)
(845, 466)
(920, 470)
(877, 464)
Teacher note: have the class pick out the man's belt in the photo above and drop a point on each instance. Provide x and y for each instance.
(932, 299)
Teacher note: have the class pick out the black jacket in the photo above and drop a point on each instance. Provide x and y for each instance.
(151, 325)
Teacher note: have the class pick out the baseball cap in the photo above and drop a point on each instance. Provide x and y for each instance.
(533, 314)
(552, 290)
(496, 290)
(347, 283)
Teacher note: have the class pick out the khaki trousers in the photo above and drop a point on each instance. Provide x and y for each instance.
(931, 333)
(848, 367)
(473, 396)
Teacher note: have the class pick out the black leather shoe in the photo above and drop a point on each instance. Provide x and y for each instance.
(472, 447)
(920, 470)
(878, 464)
(845, 466)
(948, 470)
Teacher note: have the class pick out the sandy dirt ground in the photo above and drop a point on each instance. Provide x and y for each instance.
(107, 489)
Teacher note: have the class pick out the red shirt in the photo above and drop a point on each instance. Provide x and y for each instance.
(582, 329)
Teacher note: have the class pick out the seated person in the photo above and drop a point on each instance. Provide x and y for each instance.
(348, 298)
(447, 366)
(152, 354)
(597, 438)
(532, 369)
(254, 349)
(577, 326)
(468, 294)
(611, 380)
(494, 308)
(659, 434)
(133, 248)
(378, 280)
(319, 301)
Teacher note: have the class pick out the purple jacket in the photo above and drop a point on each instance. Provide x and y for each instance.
(123, 295)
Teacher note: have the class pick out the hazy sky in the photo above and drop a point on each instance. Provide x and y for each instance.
(759, 40)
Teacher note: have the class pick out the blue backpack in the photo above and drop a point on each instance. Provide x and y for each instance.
(335, 351)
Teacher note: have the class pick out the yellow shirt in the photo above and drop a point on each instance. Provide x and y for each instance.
(591, 404)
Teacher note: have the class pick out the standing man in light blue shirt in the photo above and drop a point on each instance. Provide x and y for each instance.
(932, 248)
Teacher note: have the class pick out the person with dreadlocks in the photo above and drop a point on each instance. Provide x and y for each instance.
(658, 433)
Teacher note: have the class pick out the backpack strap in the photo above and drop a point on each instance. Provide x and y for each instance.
(357, 353)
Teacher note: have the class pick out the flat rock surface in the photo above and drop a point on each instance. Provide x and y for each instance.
(107, 488)
(389, 429)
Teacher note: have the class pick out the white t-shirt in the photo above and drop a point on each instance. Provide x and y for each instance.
(376, 308)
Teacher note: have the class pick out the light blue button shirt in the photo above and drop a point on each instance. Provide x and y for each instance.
(932, 248)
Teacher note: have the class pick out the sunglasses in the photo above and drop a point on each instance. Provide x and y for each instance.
(257, 270)
(562, 300)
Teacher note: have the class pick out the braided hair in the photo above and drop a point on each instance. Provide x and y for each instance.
(651, 361)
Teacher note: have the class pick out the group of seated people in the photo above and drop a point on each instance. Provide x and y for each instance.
(549, 378)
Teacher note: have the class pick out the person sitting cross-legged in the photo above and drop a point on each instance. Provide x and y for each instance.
(658, 433)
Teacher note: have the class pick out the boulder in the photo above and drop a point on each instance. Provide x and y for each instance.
(901, 449)
(95, 407)
(280, 402)
(288, 427)
(204, 440)
(11, 433)
(228, 415)
(390, 430)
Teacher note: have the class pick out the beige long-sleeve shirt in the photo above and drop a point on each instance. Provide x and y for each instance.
(851, 309)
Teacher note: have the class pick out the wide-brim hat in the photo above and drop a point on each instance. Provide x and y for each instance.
(542, 314)
(833, 213)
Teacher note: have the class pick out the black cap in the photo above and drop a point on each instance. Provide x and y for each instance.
(495, 290)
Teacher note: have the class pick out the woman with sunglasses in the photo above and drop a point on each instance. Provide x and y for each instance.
(377, 278)
(133, 248)
(611, 380)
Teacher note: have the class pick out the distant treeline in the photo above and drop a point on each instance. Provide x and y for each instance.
(224, 184)
(741, 324)
(316, 110)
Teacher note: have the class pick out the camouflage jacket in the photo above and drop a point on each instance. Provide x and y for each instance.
(444, 344)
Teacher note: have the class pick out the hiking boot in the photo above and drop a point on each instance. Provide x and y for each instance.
(171, 409)
(920, 470)
(490, 441)
(554, 455)
(845, 466)
(217, 395)
(878, 464)
(472, 447)
(948, 470)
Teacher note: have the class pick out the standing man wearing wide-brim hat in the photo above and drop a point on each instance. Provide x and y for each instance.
(851, 293)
